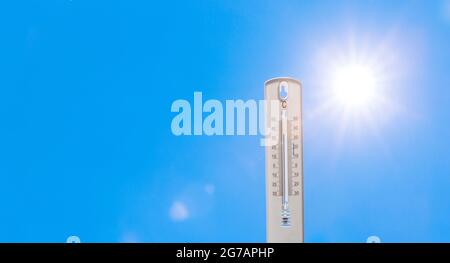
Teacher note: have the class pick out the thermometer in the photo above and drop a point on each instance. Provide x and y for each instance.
(284, 160)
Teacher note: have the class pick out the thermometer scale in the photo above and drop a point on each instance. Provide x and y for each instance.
(284, 160)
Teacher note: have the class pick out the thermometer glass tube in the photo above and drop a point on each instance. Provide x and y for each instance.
(284, 160)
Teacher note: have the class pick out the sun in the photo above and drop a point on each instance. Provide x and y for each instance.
(357, 86)
(354, 86)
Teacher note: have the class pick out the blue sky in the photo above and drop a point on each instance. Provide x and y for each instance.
(86, 147)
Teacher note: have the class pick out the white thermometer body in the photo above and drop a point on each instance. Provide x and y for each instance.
(284, 160)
